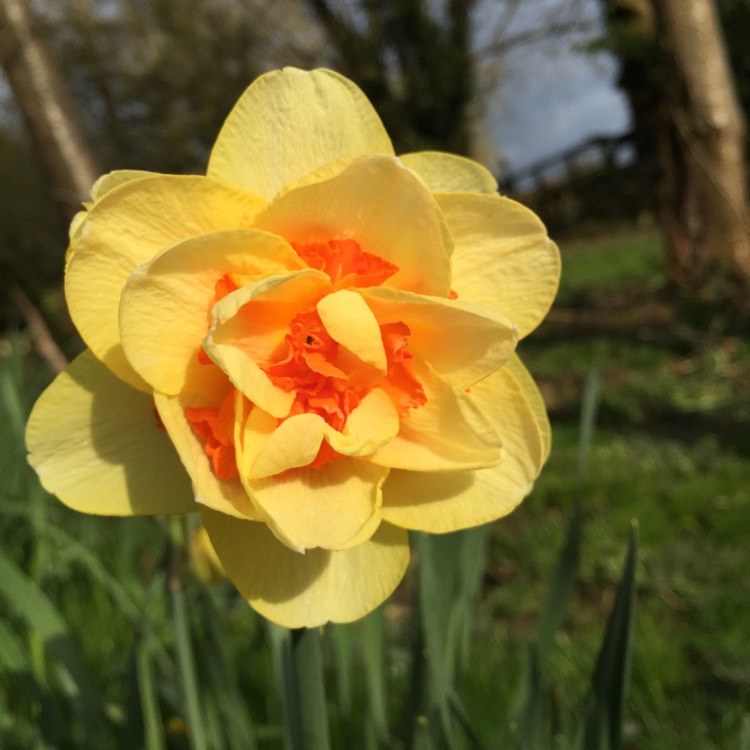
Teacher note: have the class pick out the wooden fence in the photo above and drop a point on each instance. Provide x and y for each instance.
(601, 180)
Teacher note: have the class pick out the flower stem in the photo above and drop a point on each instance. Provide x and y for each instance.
(302, 689)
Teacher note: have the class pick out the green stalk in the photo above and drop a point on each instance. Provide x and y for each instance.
(308, 673)
(299, 677)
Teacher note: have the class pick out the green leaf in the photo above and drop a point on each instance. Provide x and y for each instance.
(561, 589)
(12, 656)
(531, 719)
(473, 564)
(438, 558)
(603, 722)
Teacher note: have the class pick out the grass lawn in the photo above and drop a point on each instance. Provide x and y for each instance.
(671, 448)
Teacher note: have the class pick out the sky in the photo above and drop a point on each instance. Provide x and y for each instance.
(551, 97)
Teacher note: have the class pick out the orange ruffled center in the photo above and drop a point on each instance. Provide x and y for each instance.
(327, 380)
(214, 425)
(329, 384)
(345, 262)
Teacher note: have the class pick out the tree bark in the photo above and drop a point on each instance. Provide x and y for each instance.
(704, 193)
(47, 107)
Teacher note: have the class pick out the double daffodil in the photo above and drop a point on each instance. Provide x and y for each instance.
(312, 345)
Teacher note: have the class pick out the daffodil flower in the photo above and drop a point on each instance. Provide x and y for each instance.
(312, 345)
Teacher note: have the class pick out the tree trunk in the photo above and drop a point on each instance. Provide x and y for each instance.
(704, 193)
(47, 107)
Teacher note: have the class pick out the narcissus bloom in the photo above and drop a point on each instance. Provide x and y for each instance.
(312, 346)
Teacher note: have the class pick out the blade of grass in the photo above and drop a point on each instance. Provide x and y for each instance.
(153, 729)
(10, 395)
(183, 643)
(82, 555)
(589, 409)
(745, 733)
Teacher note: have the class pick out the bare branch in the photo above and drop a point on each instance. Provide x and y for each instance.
(44, 342)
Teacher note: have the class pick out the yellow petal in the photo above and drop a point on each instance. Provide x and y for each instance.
(296, 590)
(462, 342)
(248, 327)
(270, 448)
(372, 424)
(111, 180)
(129, 226)
(448, 173)
(74, 234)
(225, 496)
(291, 122)
(105, 184)
(95, 443)
(448, 433)
(502, 257)
(448, 501)
(166, 303)
(384, 207)
(350, 322)
(326, 507)
(524, 380)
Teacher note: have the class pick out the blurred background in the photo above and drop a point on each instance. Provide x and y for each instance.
(622, 124)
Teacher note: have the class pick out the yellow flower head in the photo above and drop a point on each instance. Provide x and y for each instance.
(313, 346)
